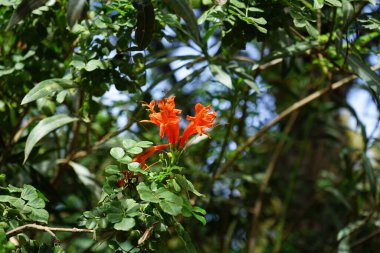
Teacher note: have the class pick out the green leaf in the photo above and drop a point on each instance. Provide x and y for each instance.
(43, 128)
(184, 10)
(23, 9)
(36, 203)
(170, 207)
(144, 144)
(348, 11)
(370, 174)
(75, 11)
(311, 30)
(128, 143)
(117, 153)
(197, 209)
(78, 62)
(94, 64)
(200, 218)
(135, 167)
(318, 4)
(112, 169)
(125, 160)
(145, 23)
(146, 193)
(221, 76)
(40, 215)
(125, 224)
(363, 71)
(335, 3)
(134, 150)
(29, 193)
(47, 88)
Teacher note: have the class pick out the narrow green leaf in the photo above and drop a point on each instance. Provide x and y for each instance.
(370, 174)
(364, 71)
(221, 76)
(200, 218)
(75, 11)
(23, 9)
(43, 128)
(47, 88)
(184, 10)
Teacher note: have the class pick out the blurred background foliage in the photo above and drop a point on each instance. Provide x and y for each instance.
(290, 166)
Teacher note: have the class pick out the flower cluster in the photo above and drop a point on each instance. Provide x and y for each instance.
(168, 120)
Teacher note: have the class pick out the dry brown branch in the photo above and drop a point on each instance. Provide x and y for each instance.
(47, 229)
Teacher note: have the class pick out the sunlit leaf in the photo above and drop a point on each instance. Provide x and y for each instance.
(43, 128)
(47, 88)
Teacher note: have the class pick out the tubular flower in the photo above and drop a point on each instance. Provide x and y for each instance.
(140, 158)
(166, 119)
(203, 119)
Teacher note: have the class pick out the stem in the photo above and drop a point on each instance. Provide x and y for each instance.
(47, 229)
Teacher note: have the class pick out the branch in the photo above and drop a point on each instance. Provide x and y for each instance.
(49, 230)
(296, 106)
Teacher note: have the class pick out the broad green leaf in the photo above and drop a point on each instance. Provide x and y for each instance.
(318, 4)
(47, 88)
(36, 203)
(40, 215)
(125, 224)
(170, 207)
(23, 9)
(184, 10)
(43, 128)
(146, 193)
(125, 160)
(75, 11)
(112, 169)
(221, 76)
(94, 64)
(29, 193)
(135, 150)
(128, 143)
(144, 144)
(117, 153)
(335, 3)
(135, 167)
(145, 23)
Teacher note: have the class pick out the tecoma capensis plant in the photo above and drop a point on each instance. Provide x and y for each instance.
(143, 203)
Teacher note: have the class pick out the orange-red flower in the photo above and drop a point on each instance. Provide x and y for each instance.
(166, 119)
(141, 158)
(203, 119)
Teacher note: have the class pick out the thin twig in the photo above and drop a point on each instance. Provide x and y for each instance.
(49, 230)
(296, 106)
(268, 174)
